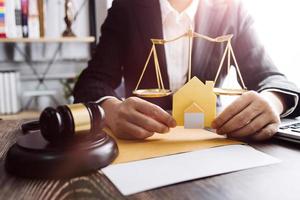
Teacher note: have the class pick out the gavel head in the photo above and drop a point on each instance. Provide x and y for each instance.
(68, 121)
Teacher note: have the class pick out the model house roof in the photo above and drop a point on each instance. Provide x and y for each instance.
(195, 84)
(194, 108)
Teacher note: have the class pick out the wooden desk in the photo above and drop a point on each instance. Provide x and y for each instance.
(280, 181)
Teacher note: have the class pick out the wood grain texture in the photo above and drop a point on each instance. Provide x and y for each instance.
(22, 115)
(94, 186)
(280, 181)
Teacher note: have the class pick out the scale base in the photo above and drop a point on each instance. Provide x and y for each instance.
(152, 93)
(33, 157)
(228, 92)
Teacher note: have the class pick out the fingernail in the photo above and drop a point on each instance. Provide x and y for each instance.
(219, 132)
(213, 125)
(173, 123)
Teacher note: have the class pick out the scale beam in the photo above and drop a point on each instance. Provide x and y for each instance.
(160, 91)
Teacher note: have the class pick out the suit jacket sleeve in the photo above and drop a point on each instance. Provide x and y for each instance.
(104, 71)
(258, 70)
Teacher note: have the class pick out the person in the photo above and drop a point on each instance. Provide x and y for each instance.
(123, 49)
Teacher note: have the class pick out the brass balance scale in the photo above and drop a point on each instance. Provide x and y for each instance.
(161, 91)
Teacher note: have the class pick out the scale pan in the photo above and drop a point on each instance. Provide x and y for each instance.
(229, 92)
(152, 93)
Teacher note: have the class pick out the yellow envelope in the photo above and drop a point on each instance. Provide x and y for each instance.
(178, 140)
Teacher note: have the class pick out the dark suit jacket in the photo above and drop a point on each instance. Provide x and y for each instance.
(125, 43)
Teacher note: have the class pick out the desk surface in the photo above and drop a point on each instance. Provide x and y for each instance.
(280, 181)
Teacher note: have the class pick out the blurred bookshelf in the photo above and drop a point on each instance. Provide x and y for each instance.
(25, 23)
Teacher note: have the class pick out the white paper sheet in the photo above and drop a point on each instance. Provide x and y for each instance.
(148, 174)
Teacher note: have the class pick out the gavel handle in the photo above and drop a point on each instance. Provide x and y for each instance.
(30, 126)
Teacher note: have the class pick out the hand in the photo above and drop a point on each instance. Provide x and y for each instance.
(252, 116)
(135, 118)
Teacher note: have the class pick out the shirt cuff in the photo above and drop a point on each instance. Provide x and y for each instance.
(102, 99)
(292, 108)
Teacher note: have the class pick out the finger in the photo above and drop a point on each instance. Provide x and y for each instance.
(155, 112)
(255, 125)
(233, 109)
(147, 123)
(265, 133)
(132, 131)
(241, 119)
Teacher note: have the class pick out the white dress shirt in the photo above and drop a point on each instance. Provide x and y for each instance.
(175, 24)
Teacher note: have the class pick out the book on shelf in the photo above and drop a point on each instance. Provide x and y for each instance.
(9, 92)
(7, 96)
(24, 11)
(2, 19)
(18, 19)
(10, 20)
(42, 10)
(33, 19)
(14, 83)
